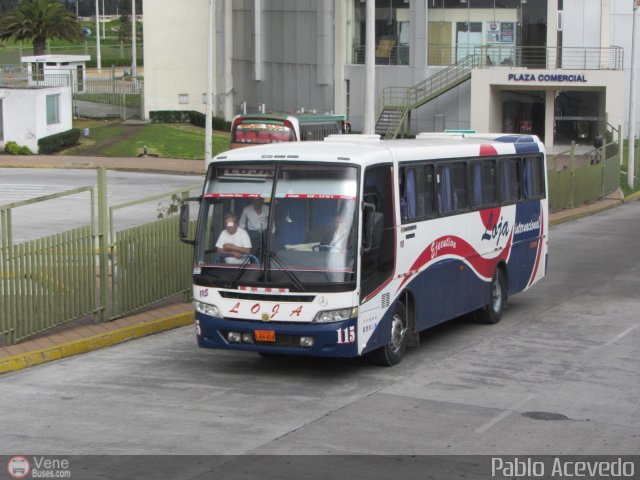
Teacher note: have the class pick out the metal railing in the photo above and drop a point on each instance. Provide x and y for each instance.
(405, 99)
(21, 78)
(95, 96)
(48, 281)
(551, 58)
(56, 279)
(575, 179)
(503, 56)
(148, 261)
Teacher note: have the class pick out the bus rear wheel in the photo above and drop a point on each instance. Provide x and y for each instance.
(492, 312)
(392, 353)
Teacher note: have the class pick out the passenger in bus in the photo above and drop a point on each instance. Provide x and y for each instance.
(233, 241)
(334, 240)
(254, 219)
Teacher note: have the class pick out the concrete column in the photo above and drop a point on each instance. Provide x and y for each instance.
(227, 33)
(549, 116)
(340, 55)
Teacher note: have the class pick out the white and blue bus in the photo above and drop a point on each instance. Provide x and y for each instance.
(365, 243)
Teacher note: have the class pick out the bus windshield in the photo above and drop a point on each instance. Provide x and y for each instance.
(294, 225)
(254, 131)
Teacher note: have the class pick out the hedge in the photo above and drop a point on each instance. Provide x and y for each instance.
(59, 141)
(188, 116)
(13, 148)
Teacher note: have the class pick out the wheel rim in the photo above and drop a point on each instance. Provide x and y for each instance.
(496, 295)
(398, 332)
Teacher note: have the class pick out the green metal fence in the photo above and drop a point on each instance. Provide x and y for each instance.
(79, 273)
(577, 179)
(149, 262)
(45, 282)
(151, 265)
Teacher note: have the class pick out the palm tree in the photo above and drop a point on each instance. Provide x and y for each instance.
(38, 21)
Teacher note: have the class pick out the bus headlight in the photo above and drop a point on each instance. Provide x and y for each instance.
(329, 316)
(207, 309)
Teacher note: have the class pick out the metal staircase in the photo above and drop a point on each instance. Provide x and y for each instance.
(395, 103)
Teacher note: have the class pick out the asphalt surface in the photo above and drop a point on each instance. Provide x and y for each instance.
(558, 375)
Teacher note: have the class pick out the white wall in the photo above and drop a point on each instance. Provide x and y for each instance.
(25, 114)
(175, 54)
(621, 27)
(581, 23)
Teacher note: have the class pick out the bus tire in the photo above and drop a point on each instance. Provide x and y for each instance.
(391, 354)
(492, 312)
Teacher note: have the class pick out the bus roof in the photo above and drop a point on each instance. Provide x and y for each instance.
(301, 117)
(367, 149)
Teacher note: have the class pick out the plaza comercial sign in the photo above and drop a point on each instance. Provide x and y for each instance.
(546, 77)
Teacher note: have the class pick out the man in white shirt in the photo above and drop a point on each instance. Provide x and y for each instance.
(254, 219)
(233, 241)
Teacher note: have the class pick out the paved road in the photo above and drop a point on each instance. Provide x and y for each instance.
(559, 375)
(53, 216)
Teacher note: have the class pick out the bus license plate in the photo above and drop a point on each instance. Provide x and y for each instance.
(265, 335)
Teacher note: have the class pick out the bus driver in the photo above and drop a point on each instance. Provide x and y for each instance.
(233, 241)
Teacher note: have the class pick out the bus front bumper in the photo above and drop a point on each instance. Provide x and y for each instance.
(338, 339)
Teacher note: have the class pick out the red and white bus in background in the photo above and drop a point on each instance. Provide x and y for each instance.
(258, 128)
(368, 242)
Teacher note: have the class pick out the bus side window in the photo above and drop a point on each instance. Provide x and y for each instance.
(533, 177)
(445, 189)
(429, 188)
(416, 192)
(452, 187)
(483, 183)
(510, 180)
(459, 176)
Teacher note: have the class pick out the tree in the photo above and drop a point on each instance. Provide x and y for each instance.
(38, 21)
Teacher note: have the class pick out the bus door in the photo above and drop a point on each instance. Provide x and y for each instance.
(378, 235)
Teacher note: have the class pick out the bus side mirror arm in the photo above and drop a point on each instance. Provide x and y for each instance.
(184, 222)
(367, 226)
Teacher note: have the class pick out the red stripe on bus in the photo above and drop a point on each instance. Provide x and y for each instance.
(231, 195)
(318, 195)
(487, 150)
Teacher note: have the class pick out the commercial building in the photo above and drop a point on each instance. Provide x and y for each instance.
(555, 68)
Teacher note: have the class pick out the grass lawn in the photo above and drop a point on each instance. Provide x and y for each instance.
(113, 139)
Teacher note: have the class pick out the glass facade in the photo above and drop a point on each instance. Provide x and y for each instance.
(502, 32)
(393, 31)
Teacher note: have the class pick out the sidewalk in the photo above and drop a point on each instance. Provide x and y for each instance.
(148, 164)
(69, 340)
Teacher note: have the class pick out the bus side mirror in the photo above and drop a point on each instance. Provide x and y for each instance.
(185, 221)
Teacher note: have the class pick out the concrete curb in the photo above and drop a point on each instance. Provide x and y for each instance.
(107, 339)
(584, 213)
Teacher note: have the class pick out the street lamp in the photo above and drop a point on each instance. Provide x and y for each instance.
(134, 47)
(208, 133)
(632, 103)
(98, 53)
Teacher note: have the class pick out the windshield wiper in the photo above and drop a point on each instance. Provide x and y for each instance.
(287, 271)
(241, 269)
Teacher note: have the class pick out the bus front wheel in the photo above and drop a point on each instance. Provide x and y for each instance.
(492, 312)
(392, 353)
